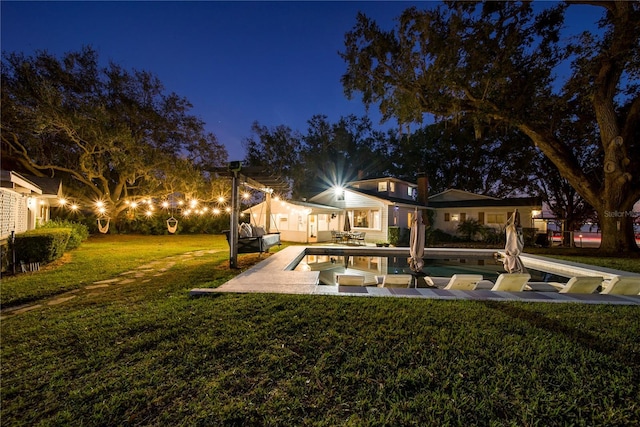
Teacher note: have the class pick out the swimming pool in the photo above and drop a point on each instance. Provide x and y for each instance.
(371, 263)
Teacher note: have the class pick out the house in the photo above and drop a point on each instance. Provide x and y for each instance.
(455, 206)
(372, 206)
(375, 205)
(25, 201)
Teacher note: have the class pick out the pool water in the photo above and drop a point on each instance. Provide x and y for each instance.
(370, 266)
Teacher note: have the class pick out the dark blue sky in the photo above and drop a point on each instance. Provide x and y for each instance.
(237, 62)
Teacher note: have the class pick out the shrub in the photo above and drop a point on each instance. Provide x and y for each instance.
(469, 228)
(41, 245)
(439, 236)
(79, 232)
(493, 236)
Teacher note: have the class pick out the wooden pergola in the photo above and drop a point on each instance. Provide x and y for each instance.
(256, 178)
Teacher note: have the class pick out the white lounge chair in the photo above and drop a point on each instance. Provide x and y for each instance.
(349, 280)
(463, 282)
(581, 285)
(623, 285)
(396, 281)
(511, 282)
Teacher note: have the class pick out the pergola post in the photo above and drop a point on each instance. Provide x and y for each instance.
(235, 214)
(267, 221)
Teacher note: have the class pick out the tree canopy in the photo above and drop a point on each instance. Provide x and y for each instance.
(110, 133)
(497, 62)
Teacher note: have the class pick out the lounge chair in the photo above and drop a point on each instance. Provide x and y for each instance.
(511, 282)
(623, 285)
(396, 281)
(581, 285)
(463, 282)
(349, 280)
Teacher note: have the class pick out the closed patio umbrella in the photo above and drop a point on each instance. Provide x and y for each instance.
(416, 243)
(514, 246)
(347, 223)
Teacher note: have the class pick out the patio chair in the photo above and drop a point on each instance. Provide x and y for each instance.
(623, 285)
(349, 280)
(581, 285)
(511, 282)
(463, 282)
(396, 281)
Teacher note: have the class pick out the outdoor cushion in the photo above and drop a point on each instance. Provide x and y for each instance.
(623, 285)
(582, 285)
(511, 282)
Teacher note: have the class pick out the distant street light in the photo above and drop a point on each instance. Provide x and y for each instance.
(580, 240)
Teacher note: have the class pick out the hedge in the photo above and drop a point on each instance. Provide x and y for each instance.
(41, 245)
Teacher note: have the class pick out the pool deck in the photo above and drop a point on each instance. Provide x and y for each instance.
(275, 275)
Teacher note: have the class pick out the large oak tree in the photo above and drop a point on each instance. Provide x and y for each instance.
(499, 62)
(110, 133)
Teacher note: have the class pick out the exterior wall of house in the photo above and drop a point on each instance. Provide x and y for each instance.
(387, 187)
(296, 223)
(448, 219)
(15, 213)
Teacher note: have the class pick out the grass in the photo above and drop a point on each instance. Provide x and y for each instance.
(147, 354)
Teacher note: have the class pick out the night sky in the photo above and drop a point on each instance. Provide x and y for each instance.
(236, 62)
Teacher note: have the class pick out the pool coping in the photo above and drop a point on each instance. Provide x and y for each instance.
(276, 275)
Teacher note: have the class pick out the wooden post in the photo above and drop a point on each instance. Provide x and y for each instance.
(267, 221)
(233, 226)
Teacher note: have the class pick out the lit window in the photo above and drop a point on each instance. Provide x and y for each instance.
(382, 186)
(392, 187)
(496, 218)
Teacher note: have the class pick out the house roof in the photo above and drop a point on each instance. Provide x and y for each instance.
(49, 186)
(318, 208)
(389, 199)
(10, 179)
(515, 201)
(455, 194)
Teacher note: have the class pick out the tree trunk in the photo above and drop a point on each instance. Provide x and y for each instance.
(616, 223)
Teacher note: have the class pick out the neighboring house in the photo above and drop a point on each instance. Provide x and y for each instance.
(455, 206)
(25, 201)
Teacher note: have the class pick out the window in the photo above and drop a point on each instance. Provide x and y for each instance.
(382, 186)
(365, 218)
(495, 218)
(481, 217)
(463, 216)
(447, 217)
(392, 187)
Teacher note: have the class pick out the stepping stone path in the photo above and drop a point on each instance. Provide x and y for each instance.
(141, 274)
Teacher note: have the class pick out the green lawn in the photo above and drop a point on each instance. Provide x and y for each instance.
(147, 354)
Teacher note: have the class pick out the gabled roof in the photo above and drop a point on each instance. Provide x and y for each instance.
(385, 198)
(49, 186)
(452, 194)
